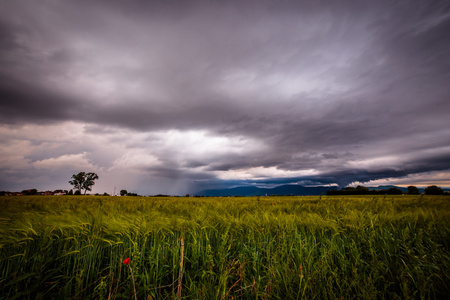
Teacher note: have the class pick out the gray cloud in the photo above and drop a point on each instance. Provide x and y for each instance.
(337, 87)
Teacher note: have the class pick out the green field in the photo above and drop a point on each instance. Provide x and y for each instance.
(333, 247)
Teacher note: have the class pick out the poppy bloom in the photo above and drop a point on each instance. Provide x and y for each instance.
(126, 261)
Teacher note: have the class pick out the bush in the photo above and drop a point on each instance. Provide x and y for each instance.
(433, 190)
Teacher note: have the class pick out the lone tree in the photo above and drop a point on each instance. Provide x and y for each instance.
(433, 190)
(412, 190)
(123, 192)
(30, 192)
(83, 181)
(362, 190)
(394, 191)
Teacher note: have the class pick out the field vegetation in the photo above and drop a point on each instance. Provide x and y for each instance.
(322, 247)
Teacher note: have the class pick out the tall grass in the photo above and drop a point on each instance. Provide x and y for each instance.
(62, 247)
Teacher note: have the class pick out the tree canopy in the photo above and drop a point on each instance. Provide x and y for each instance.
(413, 190)
(83, 181)
(433, 190)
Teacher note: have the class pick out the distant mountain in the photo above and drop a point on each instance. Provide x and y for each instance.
(386, 187)
(283, 190)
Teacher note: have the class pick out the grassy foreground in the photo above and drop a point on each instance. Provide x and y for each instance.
(334, 247)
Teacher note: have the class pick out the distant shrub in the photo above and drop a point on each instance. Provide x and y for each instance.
(412, 190)
(394, 191)
(433, 190)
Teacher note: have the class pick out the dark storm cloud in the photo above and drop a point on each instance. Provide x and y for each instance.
(323, 86)
(23, 103)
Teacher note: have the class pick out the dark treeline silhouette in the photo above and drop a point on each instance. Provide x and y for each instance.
(411, 190)
(435, 190)
(362, 190)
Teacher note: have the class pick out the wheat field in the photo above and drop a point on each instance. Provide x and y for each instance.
(317, 247)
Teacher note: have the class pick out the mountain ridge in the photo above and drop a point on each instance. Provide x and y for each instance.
(282, 190)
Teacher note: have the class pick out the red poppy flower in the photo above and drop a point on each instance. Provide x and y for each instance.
(126, 261)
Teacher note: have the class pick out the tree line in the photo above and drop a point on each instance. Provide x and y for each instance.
(411, 190)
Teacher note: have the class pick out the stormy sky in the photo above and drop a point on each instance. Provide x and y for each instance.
(174, 97)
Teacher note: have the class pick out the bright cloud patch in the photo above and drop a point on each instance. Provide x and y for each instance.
(135, 160)
(376, 163)
(263, 173)
(69, 161)
(418, 179)
(202, 144)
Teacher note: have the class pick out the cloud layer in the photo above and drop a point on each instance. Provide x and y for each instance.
(170, 97)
